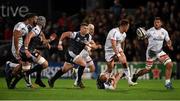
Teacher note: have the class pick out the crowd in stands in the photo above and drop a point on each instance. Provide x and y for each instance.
(106, 19)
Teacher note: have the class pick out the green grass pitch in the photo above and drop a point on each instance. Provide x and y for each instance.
(64, 90)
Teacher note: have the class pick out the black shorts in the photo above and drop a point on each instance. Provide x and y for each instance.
(69, 58)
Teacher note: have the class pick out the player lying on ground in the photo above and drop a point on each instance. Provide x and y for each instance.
(106, 81)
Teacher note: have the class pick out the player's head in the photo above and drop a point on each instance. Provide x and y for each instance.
(84, 28)
(124, 25)
(100, 83)
(157, 22)
(31, 18)
(41, 21)
(91, 29)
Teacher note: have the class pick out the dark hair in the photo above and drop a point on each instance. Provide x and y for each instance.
(29, 15)
(84, 24)
(99, 83)
(124, 22)
(157, 18)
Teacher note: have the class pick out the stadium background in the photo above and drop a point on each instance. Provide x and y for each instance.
(66, 15)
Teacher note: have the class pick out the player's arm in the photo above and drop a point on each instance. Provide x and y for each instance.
(17, 35)
(63, 36)
(45, 41)
(28, 38)
(113, 42)
(169, 44)
(94, 45)
(168, 40)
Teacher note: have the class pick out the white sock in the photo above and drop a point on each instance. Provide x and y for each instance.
(127, 73)
(13, 65)
(87, 70)
(167, 81)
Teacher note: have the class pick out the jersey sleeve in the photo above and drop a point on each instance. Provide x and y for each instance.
(113, 35)
(73, 35)
(19, 27)
(166, 36)
(36, 30)
(90, 38)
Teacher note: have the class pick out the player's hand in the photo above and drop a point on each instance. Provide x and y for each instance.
(100, 46)
(48, 46)
(19, 59)
(122, 57)
(171, 48)
(60, 47)
(28, 54)
(52, 36)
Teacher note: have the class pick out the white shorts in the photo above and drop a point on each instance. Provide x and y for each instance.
(109, 55)
(152, 56)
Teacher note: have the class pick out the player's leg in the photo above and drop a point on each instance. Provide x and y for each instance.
(82, 63)
(11, 70)
(26, 66)
(165, 59)
(16, 80)
(149, 63)
(150, 57)
(117, 77)
(126, 69)
(42, 64)
(66, 67)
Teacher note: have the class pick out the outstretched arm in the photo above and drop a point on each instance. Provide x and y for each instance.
(63, 36)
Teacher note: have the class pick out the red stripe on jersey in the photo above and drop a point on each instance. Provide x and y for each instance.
(164, 56)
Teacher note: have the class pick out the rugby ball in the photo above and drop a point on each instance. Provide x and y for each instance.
(141, 33)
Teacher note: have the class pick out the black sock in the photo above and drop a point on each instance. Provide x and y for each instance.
(35, 68)
(16, 80)
(57, 75)
(80, 73)
(38, 75)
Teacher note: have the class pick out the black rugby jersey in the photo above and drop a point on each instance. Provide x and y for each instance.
(78, 42)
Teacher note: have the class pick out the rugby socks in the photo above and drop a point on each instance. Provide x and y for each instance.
(80, 73)
(87, 70)
(127, 73)
(57, 75)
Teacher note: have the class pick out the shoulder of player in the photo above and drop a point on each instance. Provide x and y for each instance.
(36, 28)
(114, 31)
(164, 30)
(20, 24)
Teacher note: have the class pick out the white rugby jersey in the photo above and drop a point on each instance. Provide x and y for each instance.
(114, 34)
(23, 28)
(156, 38)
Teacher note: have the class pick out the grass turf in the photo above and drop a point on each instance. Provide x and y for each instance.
(64, 90)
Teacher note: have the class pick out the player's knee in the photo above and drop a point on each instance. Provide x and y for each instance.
(92, 68)
(41, 60)
(167, 61)
(169, 65)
